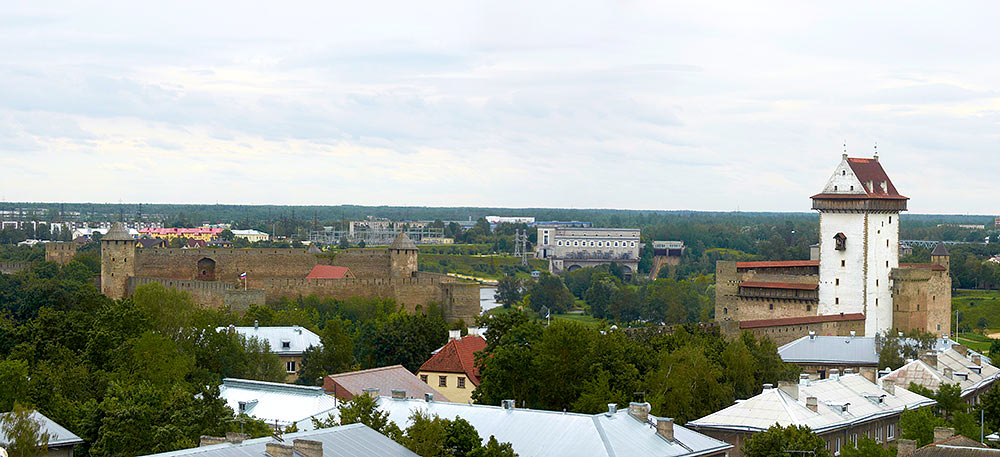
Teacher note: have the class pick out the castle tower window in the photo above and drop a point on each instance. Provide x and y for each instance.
(836, 282)
(843, 263)
(725, 310)
(836, 301)
(809, 308)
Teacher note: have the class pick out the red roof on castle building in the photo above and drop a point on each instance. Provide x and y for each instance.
(458, 356)
(329, 272)
(802, 320)
(779, 285)
(868, 170)
(778, 264)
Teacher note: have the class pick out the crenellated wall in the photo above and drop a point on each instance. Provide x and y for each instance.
(182, 264)
(60, 252)
(13, 267)
(208, 293)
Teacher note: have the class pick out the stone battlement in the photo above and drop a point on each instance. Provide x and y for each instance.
(13, 267)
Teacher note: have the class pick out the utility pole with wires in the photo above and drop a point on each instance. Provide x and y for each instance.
(521, 245)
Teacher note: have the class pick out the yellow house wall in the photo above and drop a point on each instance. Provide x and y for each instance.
(291, 377)
(451, 390)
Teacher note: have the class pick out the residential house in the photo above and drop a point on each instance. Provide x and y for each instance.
(840, 409)
(538, 433)
(946, 444)
(955, 365)
(818, 354)
(379, 381)
(355, 440)
(251, 235)
(277, 404)
(151, 243)
(290, 343)
(452, 369)
(61, 441)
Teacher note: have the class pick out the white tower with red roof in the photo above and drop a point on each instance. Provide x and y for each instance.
(859, 242)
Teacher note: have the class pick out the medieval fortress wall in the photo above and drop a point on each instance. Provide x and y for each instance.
(212, 275)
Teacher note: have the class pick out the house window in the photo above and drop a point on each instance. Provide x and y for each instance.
(461, 382)
(290, 366)
(890, 432)
(442, 381)
(423, 378)
(836, 301)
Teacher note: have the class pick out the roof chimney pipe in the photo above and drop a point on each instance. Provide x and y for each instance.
(665, 428)
(639, 411)
(812, 403)
(308, 448)
(279, 450)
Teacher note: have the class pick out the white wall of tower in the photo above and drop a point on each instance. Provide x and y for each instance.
(841, 273)
(883, 256)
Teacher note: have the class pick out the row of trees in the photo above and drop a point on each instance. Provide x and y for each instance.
(685, 375)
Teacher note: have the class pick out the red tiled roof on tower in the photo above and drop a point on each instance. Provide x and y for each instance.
(458, 356)
(874, 181)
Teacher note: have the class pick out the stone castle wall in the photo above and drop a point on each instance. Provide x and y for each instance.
(364, 263)
(182, 264)
(13, 267)
(921, 300)
(60, 252)
(729, 306)
(208, 293)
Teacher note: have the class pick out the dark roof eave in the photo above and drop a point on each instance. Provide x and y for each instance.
(822, 196)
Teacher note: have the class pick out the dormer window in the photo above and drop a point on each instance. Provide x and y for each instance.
(841, 241)
(286, 344)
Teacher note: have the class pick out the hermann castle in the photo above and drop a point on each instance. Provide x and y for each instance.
(856, 285)
(212, 275)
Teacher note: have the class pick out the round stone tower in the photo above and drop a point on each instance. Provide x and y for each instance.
(402, 257)
(117, 261)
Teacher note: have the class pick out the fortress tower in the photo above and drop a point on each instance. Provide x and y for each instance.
(402, 257)
(117, 261)
(859, 242)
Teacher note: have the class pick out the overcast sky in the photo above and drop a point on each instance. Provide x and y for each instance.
(619, 104)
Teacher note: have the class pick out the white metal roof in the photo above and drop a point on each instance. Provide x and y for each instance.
(774, 406)
(355, 440)
(535, 433)
(922, 374)
(830, 349)
(298, 338)
(276, 403)
(59, 435)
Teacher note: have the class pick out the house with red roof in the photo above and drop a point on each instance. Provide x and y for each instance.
(452, 370)
(330, 272)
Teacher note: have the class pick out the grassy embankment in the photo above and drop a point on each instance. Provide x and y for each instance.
(976, 307)
(585, 319)
(474, 260)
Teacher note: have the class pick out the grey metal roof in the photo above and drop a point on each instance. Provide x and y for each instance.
(355, 440)
(830, 349)
(385, 379)
(940, 249)
(403, 242)
(118, 232)
(298, 338)
(277, 403)
(536, 433)
(59, 435)
(931, 377)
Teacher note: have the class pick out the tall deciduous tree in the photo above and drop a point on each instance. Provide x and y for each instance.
(508, 291)
(777, 441)
(25, 437)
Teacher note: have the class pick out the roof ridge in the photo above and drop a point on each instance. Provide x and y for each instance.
(604, 436)
(368, 370)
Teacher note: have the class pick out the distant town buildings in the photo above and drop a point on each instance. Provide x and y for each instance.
(289, 343)
(666, 253)
(572, 248)
(252, 236)
(197, 233)
(494, 220)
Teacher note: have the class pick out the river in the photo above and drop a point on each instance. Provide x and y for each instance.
(486, 301)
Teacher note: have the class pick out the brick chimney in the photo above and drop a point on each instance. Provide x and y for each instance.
(790, 388)
(308, 448)
(949, 373)
(639, 411)
(665, 428)
(812, 403)
(398, 394)
(930, 358)
(943, 433)
(977, 359)
(279, 450)
(960, 349)
(210, 440)
(889, 385)
(905, 447)
(235, 437)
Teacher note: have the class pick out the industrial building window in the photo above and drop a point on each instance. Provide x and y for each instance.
(423, 378)
(442, 381)
(592, 243)
(461, 382)
(290, 366)
(632, 244)
(616, 244)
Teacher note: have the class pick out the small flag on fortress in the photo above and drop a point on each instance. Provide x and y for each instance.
(243, 275)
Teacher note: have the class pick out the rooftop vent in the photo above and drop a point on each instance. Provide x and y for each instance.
(853, 333)
(612, 409)
(371, 391)
(507, 404)
(768, 386)
(812, 335)
(428, 397)
(398, 394)
(256, 324)
(804, 379)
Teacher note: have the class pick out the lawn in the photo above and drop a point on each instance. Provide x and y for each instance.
(585, 319)
(978, 309)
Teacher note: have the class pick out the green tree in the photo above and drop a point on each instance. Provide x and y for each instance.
(949, 399)
(508, 291)
(25, 437)
(426, 435)
(918, 425)
(890, 354)
(563, 359)
(550, 292)
(600, 294)
(13, 383)
(494, 449)
(777, 441)
(364, 409)
(988, 402)
(343, 244)
(227, 235)
(867, 447)
(461, 438)
(336, 355)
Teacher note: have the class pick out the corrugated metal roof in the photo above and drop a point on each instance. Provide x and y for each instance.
(385, 379)
(276, 403)
(59, 435)
(298, 338)
(355, 440)
(931, 377)
(830, 349)
(773, 406)
(536, 433)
